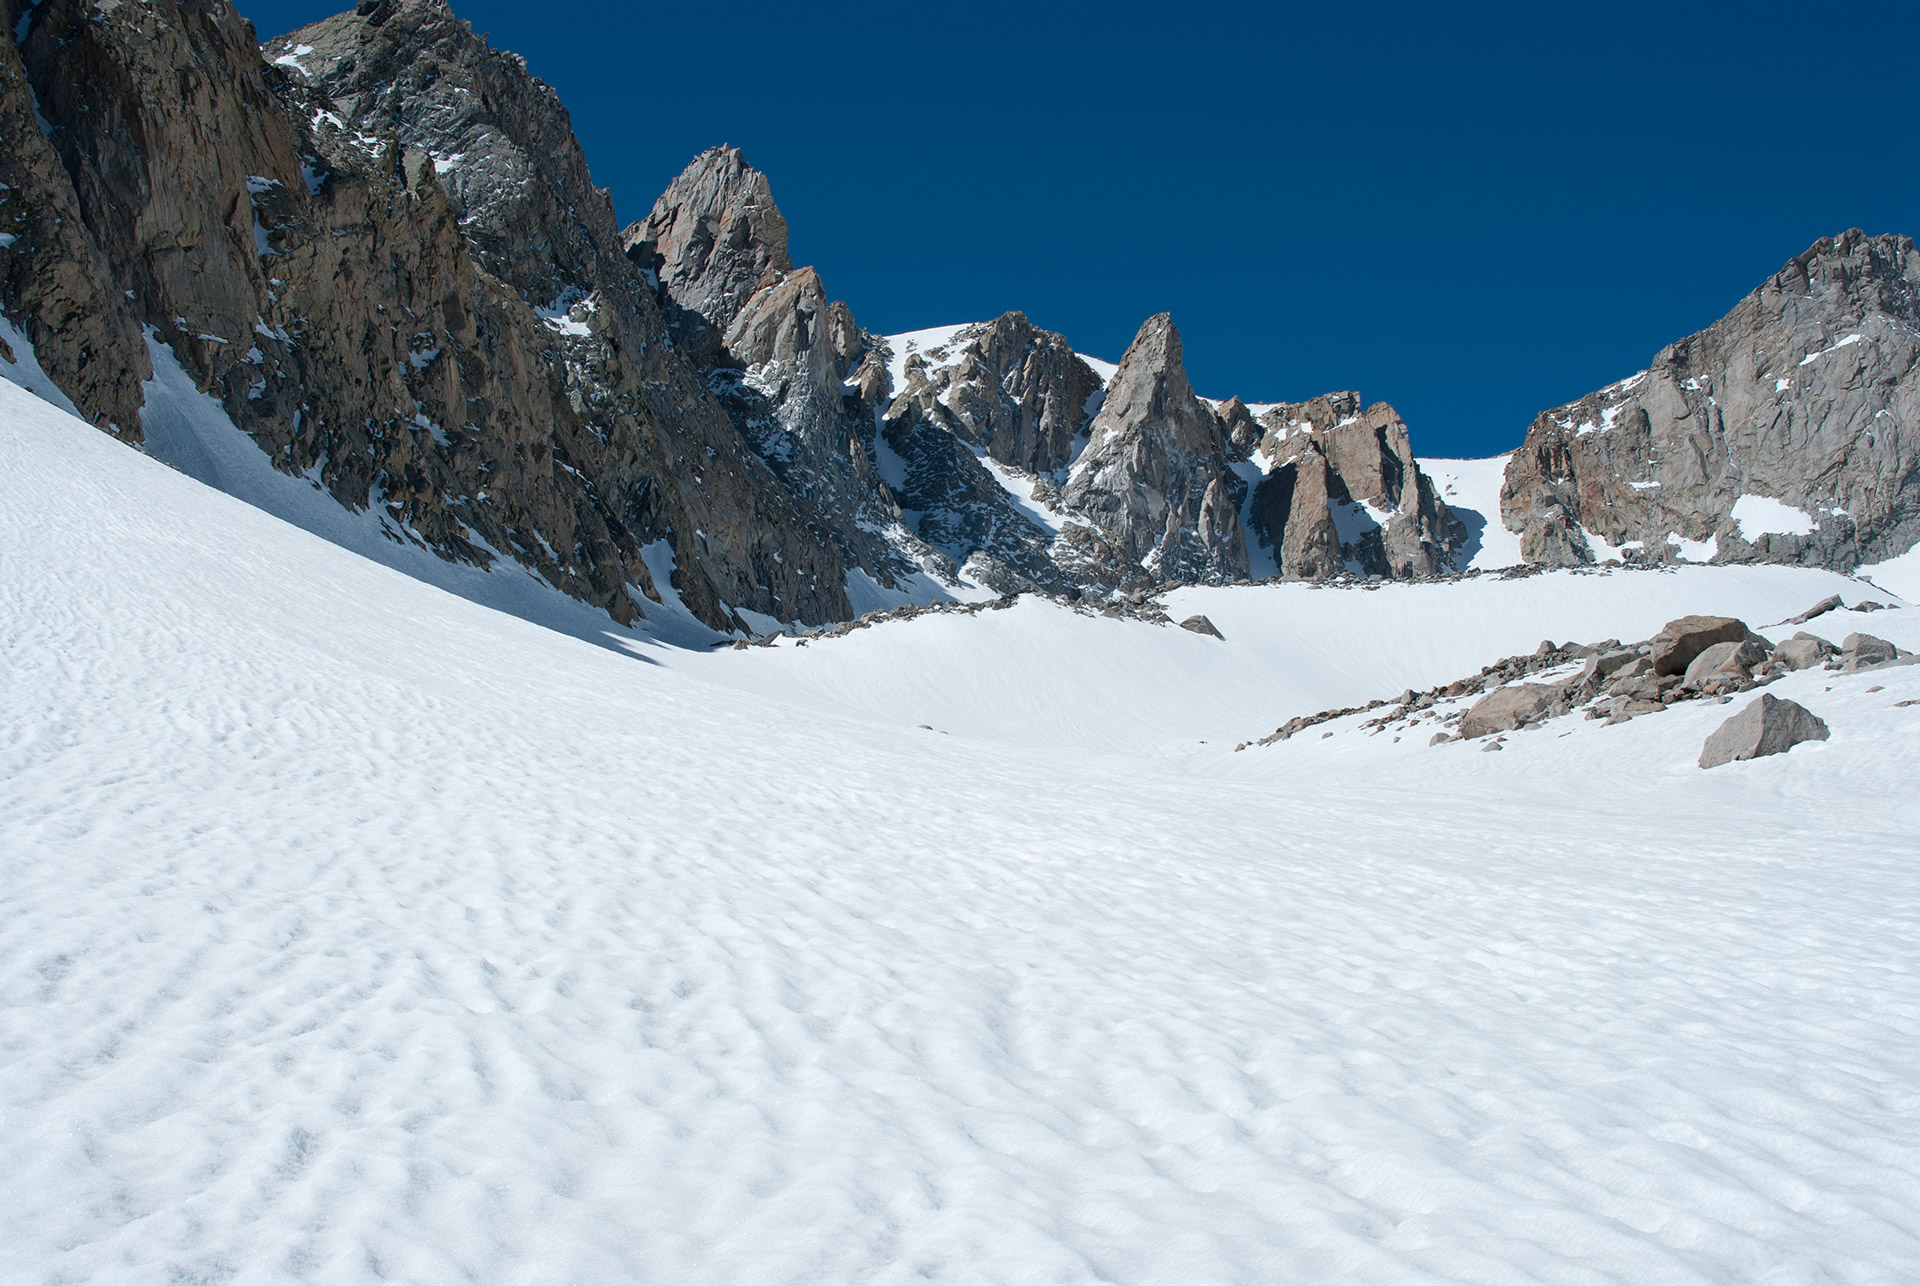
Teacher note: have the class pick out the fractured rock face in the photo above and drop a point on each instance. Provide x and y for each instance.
(1016, 392)
(1769, 726)
(1786, 432)
(715, 238)
(802, 383)
(379, 249)
(1155, 478)
(1343, 490)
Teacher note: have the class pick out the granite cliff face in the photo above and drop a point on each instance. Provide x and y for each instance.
(1343, 492)
(378, 247)
(803, 384)
(1785, 432)
(1155, 480)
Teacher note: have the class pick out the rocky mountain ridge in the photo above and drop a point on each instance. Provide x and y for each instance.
(377, 244)
(1786, 432)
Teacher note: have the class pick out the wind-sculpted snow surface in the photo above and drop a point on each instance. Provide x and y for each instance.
(351, 931)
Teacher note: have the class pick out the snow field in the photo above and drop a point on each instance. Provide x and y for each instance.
(1039, 675)
(353, 931)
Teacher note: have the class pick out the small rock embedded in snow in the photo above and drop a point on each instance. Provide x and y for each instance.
(1201, 625)
(1831, 603)
(1770, 726)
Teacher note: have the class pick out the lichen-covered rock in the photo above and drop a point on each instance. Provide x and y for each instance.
(1786, 432)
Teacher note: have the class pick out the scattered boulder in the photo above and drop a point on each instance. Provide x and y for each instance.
(1679, 642)
(1506, 708)
(1605, 665)
(1201, 625)
(1860, 651)
(1725, 660)
(1831, 603)
(1769, 726)
(1439, 739)
(1638, 667)
(1804, 651)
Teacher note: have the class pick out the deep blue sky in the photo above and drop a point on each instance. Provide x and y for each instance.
(1473, 211)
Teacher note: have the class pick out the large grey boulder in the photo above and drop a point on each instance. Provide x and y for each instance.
(1861, 651)
(1201, 625)
(1804, 651)
(1804, 402)
(1724, 661)
(1769, 726)
(1507, 708)
(1679, 642)
(1604, 665)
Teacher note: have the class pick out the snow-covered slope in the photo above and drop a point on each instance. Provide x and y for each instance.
(1471, 490)
(352, 931)
(1040, 674)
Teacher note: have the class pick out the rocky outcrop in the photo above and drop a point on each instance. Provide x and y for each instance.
(379, 248)
(54, 279)
(377, 244)
(802, 383)
(1018, 393)
(1155, 479)
(1768, 726)
(1343, 492)
(714, 239)
(1787, 432)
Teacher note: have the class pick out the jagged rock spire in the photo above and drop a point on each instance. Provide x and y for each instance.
(1155, 478)
(715, 237)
